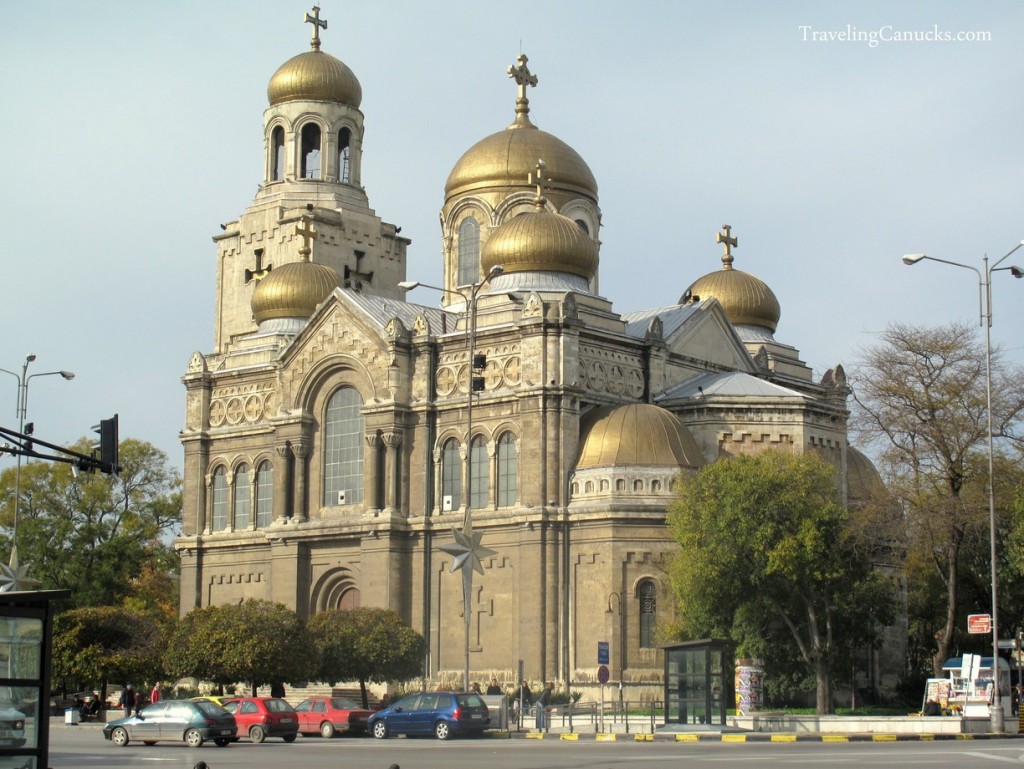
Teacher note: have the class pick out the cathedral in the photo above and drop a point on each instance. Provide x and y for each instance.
(353, 435)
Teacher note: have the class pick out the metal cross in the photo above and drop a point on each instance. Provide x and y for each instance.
(260, 272)
(539, 180)
(729, 241)
(318, 24)
(307, 234)
(522, 75)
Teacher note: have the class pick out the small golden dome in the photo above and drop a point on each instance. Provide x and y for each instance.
(542, 241)
(314, 76)
(293, 290)
(862, 479)
(636, 434)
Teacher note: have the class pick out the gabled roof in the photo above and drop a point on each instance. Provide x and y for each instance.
(672, 318)
(379, 310)
(734, 384)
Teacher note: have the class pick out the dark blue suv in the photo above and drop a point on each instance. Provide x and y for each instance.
(443, 714)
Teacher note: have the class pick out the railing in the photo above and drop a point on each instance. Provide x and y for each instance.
(620, 715)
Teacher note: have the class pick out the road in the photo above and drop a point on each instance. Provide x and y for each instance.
(85, 748)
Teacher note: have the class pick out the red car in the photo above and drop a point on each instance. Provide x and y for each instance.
(330, 715)
(262, 717)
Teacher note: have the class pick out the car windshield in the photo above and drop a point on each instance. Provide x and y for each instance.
(278, 706)
(339, 703)
(209, 709)
(470, 701)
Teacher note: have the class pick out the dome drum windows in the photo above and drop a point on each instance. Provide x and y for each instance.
(311, 151)
(277, 155)
(344, 156)
(468, 270)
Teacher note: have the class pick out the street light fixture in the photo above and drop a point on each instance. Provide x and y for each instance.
(985, 318)
(466, 550)
(22, 406)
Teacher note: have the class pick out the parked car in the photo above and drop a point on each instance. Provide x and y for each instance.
(262, 717)
(443, 714)
(215, 699)
(328, 716)
(193, 722)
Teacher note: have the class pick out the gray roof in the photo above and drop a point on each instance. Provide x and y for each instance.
(731, 384)
(672, 319)
(380, 310)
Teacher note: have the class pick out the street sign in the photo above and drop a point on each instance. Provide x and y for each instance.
(979, 623)
(602, 674)
(602, 653)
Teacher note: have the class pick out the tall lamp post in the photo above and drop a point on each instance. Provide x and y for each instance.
(985, 319)
(466, 550)
(22, 406)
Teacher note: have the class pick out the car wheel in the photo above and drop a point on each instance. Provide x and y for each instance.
(222, 742)
(119, 737)
(194, 738)
(327, 730)
(149, 742)
(257, 735)
(380, 730)
(442, 730)
(290, 737)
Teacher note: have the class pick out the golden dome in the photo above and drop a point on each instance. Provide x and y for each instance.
(636, 434)
(543, 241)
(862, 479)
(314, 76)
(293, 290)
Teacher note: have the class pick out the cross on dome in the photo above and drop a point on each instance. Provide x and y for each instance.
(318, 24)
(523, 77)
(729, 242)
(307, 234)
(540, 181)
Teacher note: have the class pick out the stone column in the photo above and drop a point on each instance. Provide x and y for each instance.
(207, 484)
(392, 440)
(282, 480)
(229, 476)
(371, 465)
(299, 508)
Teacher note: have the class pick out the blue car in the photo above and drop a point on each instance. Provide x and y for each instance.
(443, 714)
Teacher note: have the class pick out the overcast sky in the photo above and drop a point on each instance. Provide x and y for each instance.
(132, 130)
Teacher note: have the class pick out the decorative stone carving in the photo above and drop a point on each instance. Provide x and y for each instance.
(197, 363)
(420, 327)
(533, 307)
(569, 309)
(392, 438)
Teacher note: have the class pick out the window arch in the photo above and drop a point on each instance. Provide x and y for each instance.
(469, 251)
(451, 473)
(311, 151)
(344, 155)
(478, 473)
(220, 499)
(647, 593)
(343, 447)
(277, 155)
(264, 495)
(583, 226)
(243, 499)
(508, 470)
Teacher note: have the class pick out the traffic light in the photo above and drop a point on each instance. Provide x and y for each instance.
(479, 364)
(107, 429)
(30, 428)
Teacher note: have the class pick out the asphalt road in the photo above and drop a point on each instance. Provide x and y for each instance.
(84, 748)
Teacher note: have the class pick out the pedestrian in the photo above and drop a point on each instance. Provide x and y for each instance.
(127, 701)
(476, 688)
(154, 694)
(277, 690)
(495, 687)
(140, 700)
(542, 705)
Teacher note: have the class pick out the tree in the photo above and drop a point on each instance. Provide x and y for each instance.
(365, 645)
(259, 642)
(767, 557)
(95, 645)
(94, 534)
(920, 401)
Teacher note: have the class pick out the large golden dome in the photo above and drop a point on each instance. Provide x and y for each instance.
(636, 434)
(540, 241)
(293, 290)
(314, 76)
(862, 479)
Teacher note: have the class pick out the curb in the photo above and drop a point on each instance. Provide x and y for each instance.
(756, 737)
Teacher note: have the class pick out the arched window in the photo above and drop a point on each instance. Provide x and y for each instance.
(243, 499)
(264, 495)
(220, 499)
(583, 226)
(344, 155)
(638, 485)
(277, 155)
(343, 447)
(349, 599)
(655, 486)
(451, 473)
(469, 251)
(588, 487)
(508, 471)
(479, 474)
(605, 486)
(311, 151)
(620, 484)
(647, 594)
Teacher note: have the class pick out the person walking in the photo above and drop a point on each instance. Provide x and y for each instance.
(154, 694)
(127, 701)
(494, 687)
(542, 705)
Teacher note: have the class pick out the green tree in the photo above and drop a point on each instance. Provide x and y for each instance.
(767, 559)
(920, 402)
(365, 645)
(94, 534)
(258, 642)
(96, 645)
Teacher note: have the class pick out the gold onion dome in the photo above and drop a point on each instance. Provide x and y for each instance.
(862, 478)
(314, 76)
(293, 290)
(638, 434)
(540, 241)
(746, 299)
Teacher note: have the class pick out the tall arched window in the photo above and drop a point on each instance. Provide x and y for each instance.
(343, 447)
(277, 155)
(478, 472)
(243, 499)
(344, 155)
(508, 470)
(451, 473)
(647, 593)
(469, 251)
(264, 495)
(311, 151)
(220, 499)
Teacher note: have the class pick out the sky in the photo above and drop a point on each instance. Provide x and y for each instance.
(833, 137)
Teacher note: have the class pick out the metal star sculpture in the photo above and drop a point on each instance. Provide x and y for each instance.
(467, 550)
(15, 577)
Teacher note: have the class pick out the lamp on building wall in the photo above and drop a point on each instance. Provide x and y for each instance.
(985, 313)
(467, 550)
(22, 406)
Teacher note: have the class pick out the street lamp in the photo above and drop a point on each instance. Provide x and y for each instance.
(22, 405)
(466, 550)
(985, 318)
